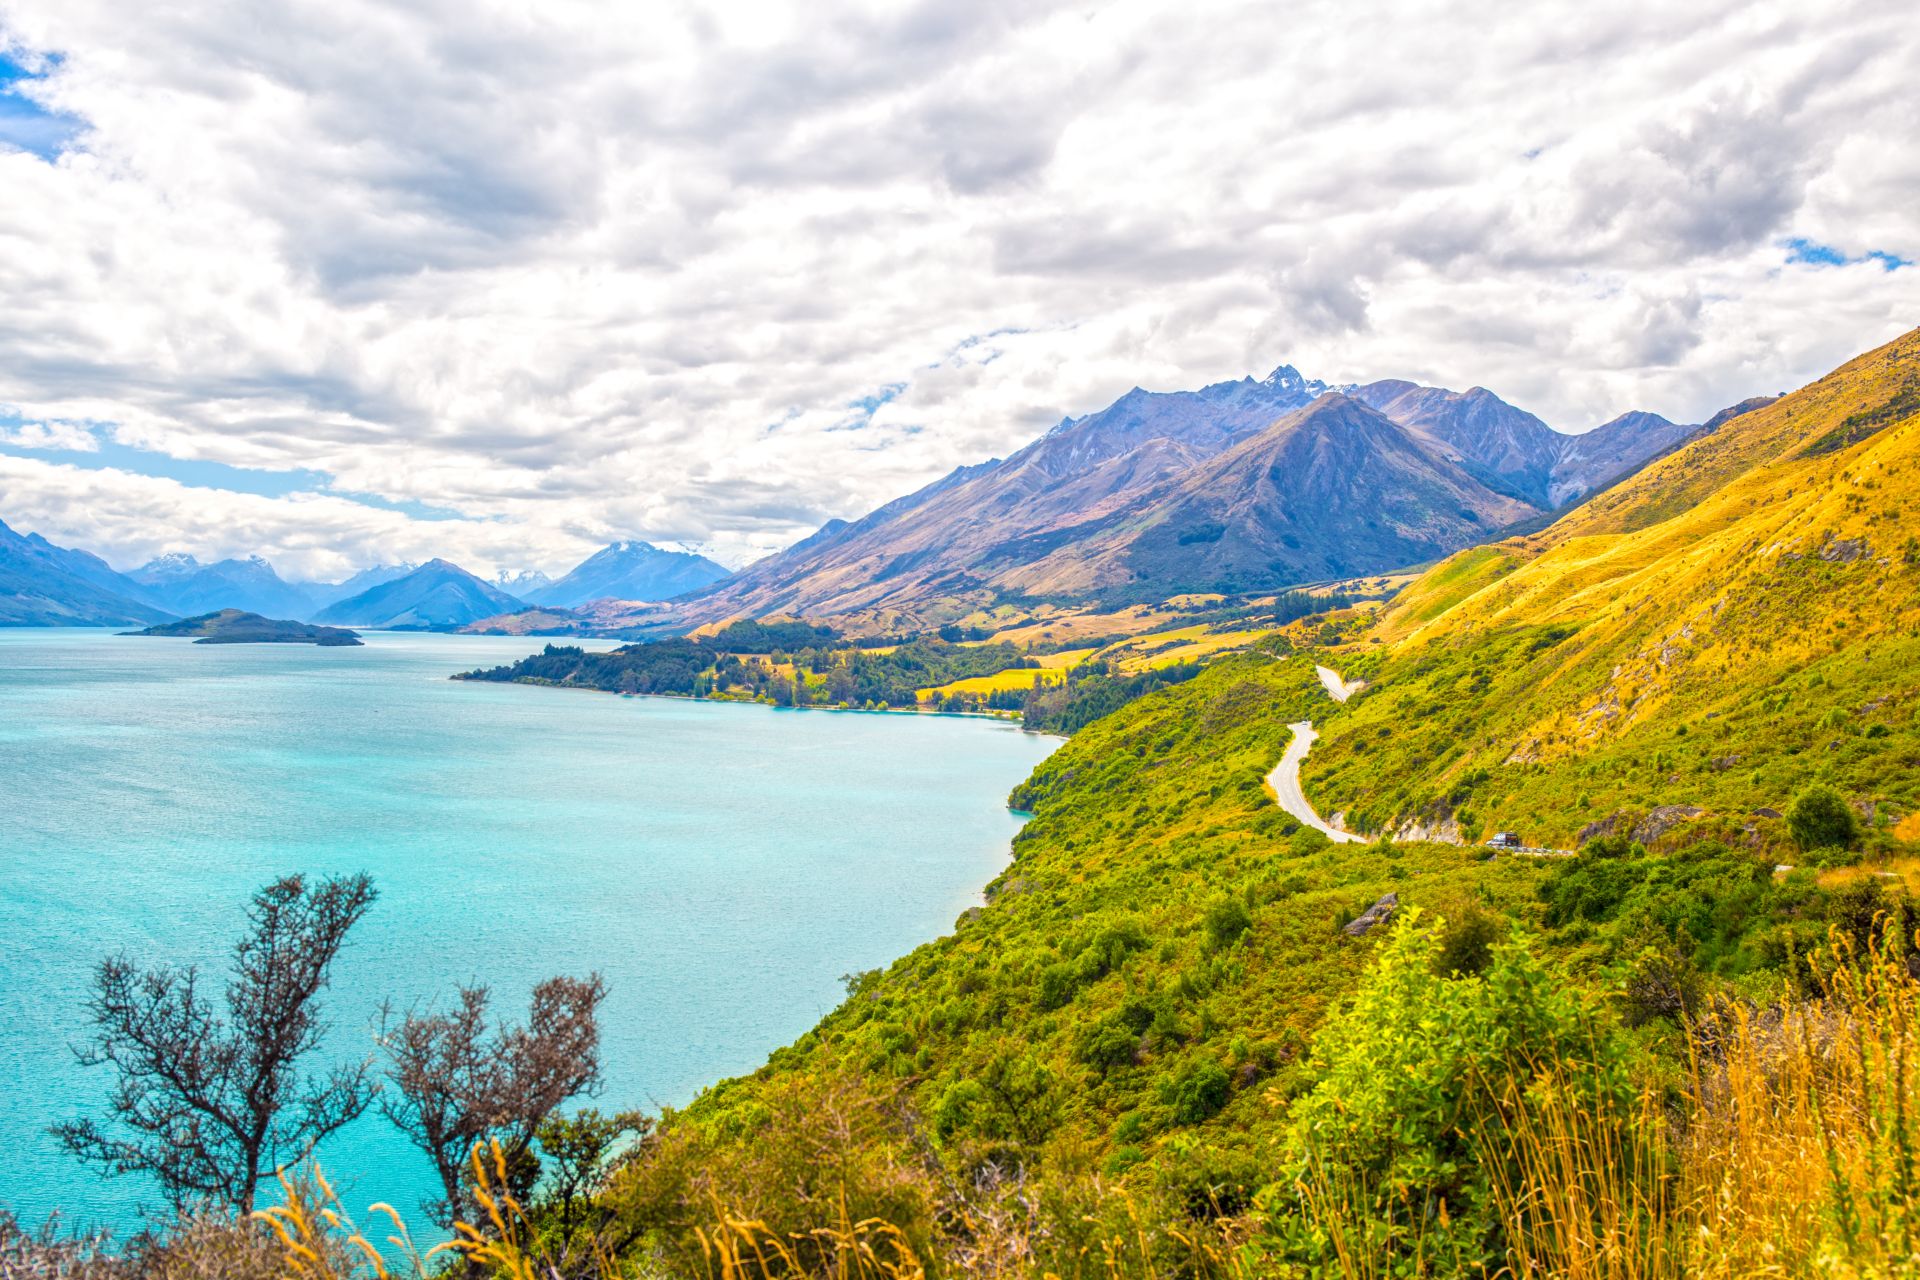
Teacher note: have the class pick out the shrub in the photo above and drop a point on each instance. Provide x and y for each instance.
(1226, 919)
(1199, 1091)
(1819, 818)
(1423, 1089)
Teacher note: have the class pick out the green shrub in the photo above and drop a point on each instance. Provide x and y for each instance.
(1820, 818)
(1198, 1091)
(1226, 919)
(1424, 1088)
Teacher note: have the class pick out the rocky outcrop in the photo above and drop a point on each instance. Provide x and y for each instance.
(1662, 820)
(1377, 914)
(1843, 550)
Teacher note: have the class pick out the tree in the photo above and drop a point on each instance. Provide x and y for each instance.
(211, 1105)
(578, 1146)
(459, 1083)
(1820, 819)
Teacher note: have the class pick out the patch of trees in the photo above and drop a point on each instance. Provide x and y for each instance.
(1093, 690)
(765, 637)
(896, 678)
(660, 666)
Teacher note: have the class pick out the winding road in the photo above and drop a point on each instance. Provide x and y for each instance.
(1285, 778)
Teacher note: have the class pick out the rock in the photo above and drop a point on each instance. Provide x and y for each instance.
(1664, 819)
(1764, 812)
(1377, 914)
(1603, 827)
(1843, 550)
(1720, 764)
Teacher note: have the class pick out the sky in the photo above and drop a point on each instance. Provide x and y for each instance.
(345, 283)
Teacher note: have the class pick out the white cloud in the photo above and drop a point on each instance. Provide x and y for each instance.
(576, 272)
(69, 436)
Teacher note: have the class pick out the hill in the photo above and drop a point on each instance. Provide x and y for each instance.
(628, 571)
(1701, 640)
(182, 585)
(235, 626)
(1043, 524)
(42, 585)
(436, 596)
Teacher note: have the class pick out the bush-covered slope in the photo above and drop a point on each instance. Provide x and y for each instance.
(1154, 958)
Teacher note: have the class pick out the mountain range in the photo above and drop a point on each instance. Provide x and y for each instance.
(1239, 486)
(1243, 485)
(181, 585)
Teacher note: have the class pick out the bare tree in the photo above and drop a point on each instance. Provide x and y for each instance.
(458, 1083)
(211, 1105)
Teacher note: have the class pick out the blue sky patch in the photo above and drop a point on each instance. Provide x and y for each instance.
(1813, 253)
(24, 123)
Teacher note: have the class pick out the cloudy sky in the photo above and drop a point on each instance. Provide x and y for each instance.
(344, 282)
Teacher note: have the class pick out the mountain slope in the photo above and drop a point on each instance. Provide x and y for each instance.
(1328, 491)
(182, 585)
(42, 585)
(1506, 448)
(436, 595)
(1741, 617)
(629, 571)
(326, 593)
(1588, 462)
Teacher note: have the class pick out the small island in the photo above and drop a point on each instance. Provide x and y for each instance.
(237, 626)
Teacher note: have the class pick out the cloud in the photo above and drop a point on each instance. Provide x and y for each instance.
(500, 281)
(67, 436)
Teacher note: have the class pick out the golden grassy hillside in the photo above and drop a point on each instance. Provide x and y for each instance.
(1739, 616)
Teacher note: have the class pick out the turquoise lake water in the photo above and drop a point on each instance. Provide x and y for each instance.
(720, 865)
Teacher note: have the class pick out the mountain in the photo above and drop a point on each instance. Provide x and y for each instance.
(42, 585)
(934, 554)
(1696, 642)
(182, 585)
(437, 595)
(522, 582)
(1514, 452)
(1094, 509)
(1594, 459)
(1507, 449)
(629, 571)
(1328, 491)
(235, 626)
(326, 593)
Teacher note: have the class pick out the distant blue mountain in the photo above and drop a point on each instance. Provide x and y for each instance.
(437, 596)
(326, 593)
(42, 585)
(182, 585)
(630, 571)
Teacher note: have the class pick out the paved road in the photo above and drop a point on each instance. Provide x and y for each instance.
(1285, 781)
(1337, 689)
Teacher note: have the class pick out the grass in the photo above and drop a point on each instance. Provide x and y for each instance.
(999, 682)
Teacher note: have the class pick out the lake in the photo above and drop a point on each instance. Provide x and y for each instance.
(721, 865)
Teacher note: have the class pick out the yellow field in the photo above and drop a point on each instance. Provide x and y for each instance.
(1196, 643)
(1017, 678)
